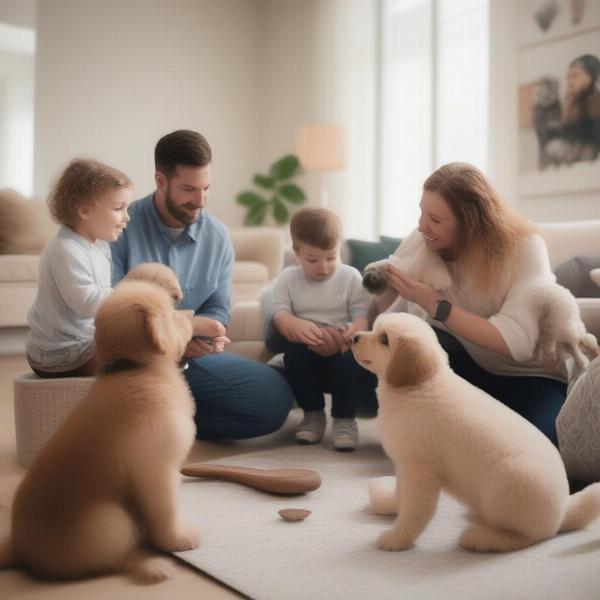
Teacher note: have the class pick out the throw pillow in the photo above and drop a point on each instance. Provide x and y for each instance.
(21, 224)
(390, 244)
(595, 276)
(364, 252)
(575, 276)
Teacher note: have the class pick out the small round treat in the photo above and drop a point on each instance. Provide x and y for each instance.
(294, 514)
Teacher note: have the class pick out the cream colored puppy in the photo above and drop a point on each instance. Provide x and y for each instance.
(442, 433)
(105, 486)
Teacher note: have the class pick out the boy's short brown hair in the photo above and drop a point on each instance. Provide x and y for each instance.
(81, 183)
(318, 227)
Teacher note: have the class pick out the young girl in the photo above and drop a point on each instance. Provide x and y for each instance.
(90, 202)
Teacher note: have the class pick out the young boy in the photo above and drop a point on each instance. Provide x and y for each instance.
(321, 293)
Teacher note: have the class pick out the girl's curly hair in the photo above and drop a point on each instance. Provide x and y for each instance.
(81, 183)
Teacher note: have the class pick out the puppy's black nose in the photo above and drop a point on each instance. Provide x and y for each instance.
(356, 338)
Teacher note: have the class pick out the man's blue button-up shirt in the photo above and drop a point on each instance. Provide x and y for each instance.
(202, 257)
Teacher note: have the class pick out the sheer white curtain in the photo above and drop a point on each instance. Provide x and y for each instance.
(433, 99)
(17, 48)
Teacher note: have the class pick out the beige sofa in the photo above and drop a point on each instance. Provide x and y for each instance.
(259, 257)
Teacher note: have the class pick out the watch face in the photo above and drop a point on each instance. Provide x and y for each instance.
(443, 311)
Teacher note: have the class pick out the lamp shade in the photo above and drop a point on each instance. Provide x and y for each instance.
(320, 147)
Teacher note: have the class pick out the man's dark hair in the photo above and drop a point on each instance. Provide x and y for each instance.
(182, 147)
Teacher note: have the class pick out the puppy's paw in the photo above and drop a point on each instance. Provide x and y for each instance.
(179, 540)
(188, 538)
(155, 570)
(374, 281)
(394, 541)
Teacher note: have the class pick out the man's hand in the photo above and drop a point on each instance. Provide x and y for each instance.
(298, 330)
(198, 348)
(208, 327)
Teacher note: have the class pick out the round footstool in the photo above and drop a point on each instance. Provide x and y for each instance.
(41, 405)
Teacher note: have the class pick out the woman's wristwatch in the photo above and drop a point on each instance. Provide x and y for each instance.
(443, 311)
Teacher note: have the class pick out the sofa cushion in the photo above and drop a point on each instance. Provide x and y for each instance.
(25, 225)
(364, 253)
(390, 244)
(18, 267)
(249, 271)
(575, 276)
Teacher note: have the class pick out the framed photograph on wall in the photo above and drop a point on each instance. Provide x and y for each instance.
(559, 115)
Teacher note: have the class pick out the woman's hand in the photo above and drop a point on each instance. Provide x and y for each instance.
(414, 291)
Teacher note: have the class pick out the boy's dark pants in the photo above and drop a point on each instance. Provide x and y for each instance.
(310, 375)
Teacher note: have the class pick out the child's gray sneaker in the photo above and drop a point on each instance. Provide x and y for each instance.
(345, 434)
(312, 427)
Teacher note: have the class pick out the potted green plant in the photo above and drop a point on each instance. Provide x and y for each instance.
(276, 190)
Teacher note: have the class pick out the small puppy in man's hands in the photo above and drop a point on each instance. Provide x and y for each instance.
(206, 329)
(159, 274)
(103, 492)
(442, 433)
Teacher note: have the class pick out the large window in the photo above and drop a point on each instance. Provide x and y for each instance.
(17, 48)
(433, 104)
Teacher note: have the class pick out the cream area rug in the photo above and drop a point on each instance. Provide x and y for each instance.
(333, 553)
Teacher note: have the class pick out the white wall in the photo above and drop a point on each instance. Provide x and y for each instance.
(503, 132)
(18, 12)
(114, 76)
(318, 66)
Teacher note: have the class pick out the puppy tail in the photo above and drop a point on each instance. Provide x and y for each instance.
(8, 557)
(584, 507)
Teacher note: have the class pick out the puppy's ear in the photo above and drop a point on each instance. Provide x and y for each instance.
(411, 363)
(157, 330)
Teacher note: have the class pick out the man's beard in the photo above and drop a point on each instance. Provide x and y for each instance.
(178, 212)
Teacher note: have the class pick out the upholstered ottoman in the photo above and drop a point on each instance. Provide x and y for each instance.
(41, 405)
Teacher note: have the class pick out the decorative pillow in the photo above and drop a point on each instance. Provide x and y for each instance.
(21, 224)
(575, 276)
(390, 244)
(595, 276)
(578, 426)
(364, 253)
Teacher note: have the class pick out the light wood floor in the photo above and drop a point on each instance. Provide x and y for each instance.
(187, 582)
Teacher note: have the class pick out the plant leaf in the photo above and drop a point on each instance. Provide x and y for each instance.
(280, 211)
(291, 192)
(249, 199)
(256, 214)
(285, 167)
(263, 181)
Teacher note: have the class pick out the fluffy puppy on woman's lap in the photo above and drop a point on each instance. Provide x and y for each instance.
(103, 491)
(442, 433)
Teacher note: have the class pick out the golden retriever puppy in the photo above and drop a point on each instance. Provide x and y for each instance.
(160, 274)
(104, 489)
(442, 433)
